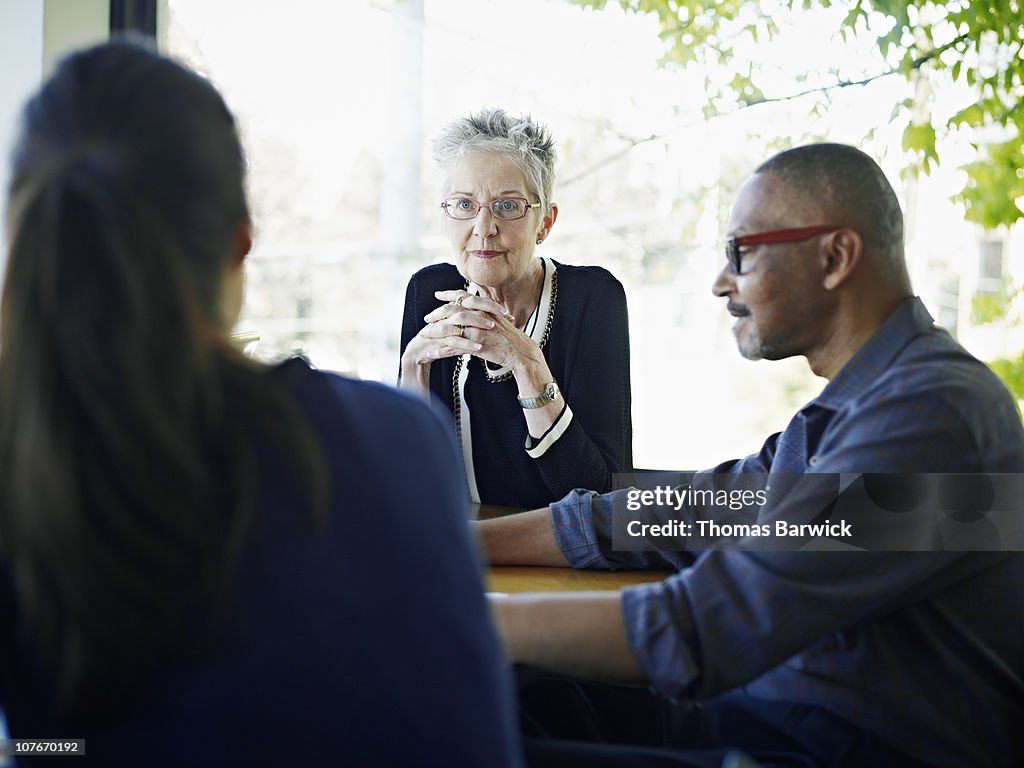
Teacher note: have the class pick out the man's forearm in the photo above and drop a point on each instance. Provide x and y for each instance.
(527, 538)
(577, 634)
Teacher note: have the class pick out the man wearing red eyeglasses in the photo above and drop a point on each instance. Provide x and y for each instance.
(811, 658)
(814, 269)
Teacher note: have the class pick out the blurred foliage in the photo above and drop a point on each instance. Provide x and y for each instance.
(995, 183)
(974, 42)
(1003, 307)
(1012, 373)
(996, 307)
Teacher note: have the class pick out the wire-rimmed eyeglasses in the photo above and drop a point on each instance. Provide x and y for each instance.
(733, 244)
(504, 208)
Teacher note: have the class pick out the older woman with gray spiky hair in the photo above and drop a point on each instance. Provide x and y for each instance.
(531, 356)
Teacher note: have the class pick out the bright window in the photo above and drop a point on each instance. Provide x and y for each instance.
(338, 103)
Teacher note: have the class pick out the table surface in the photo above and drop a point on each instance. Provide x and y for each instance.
(531, 578)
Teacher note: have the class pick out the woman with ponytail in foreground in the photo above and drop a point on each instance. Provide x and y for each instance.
(203, 560)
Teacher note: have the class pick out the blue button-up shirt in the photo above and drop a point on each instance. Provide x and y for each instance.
(923, 649)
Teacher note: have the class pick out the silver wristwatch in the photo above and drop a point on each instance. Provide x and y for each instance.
(549, 395)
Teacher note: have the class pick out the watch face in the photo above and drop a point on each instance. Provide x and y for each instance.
(549, 395)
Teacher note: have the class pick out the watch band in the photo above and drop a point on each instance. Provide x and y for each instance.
(549, 395)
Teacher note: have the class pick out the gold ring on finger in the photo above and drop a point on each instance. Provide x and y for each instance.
(460, 330)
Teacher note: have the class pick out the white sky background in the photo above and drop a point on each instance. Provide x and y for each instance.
(315, 76)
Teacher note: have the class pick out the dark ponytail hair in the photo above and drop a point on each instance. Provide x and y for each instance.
(128, 424)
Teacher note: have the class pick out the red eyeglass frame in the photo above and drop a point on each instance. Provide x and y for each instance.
(733, 244)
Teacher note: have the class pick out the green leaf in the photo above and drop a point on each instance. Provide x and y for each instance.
(919, 137)
(971, 115)
(993, 185)
(899, 107)
(989, 308)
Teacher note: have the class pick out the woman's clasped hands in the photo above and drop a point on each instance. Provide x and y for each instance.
(468, 323)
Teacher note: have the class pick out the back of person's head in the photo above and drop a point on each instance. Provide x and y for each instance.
(847, 188)
(126, 419)
(526, 143)
(126, 148)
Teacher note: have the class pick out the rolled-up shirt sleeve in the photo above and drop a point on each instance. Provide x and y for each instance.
(583, 523)
(573, 521)
(661, 636)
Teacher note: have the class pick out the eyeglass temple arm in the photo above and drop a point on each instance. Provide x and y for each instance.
(784, 235)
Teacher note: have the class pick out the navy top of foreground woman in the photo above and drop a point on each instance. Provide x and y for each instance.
(204, 560)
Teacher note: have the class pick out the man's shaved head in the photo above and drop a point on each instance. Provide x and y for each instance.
(849, 189)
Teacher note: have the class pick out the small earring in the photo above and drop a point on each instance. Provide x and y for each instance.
(540, 240)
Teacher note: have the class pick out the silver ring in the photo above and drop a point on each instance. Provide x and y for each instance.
(460, 330)
(458, 301)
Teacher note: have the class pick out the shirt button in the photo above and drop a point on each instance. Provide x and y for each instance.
(813, 461)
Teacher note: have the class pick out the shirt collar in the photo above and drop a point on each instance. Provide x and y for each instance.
(909, 320)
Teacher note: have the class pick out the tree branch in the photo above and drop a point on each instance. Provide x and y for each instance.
(819, 89)
(925, 58)
(631, 142)
(609, 159)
